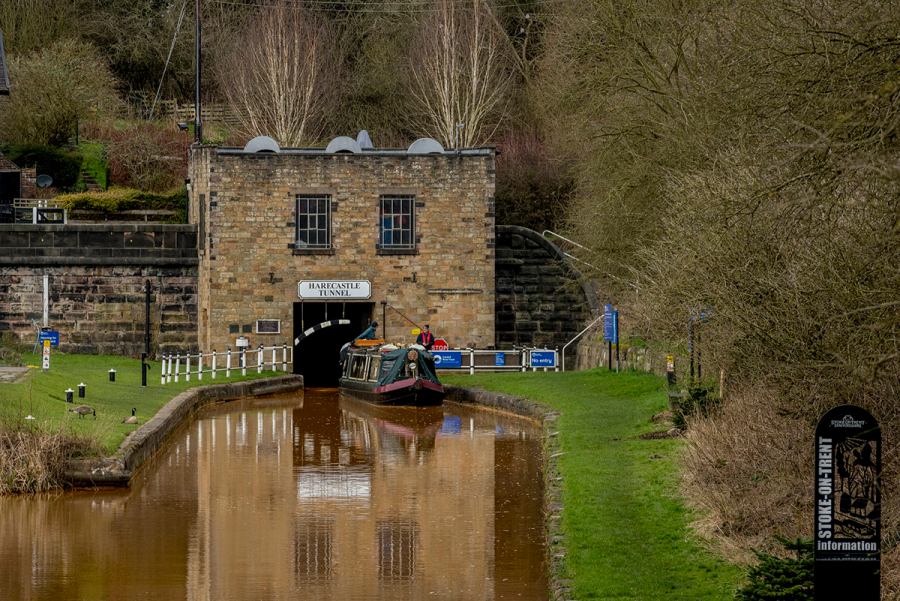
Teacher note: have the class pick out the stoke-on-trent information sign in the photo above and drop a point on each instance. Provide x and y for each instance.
(848, 505)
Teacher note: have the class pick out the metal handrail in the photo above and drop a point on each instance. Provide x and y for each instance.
(576, 338)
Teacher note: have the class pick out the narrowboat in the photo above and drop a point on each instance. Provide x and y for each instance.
(386, 375)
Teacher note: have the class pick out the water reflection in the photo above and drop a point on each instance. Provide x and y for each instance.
(319, 496)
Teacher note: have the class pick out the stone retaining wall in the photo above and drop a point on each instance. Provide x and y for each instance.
(560, 589)
(145, 441)
(541, 300)
(95, 277)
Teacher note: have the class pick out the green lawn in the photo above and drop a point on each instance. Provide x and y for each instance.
(43, 395)
(94, 161)
(625, 523)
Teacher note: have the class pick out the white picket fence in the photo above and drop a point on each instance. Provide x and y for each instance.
(264, 357)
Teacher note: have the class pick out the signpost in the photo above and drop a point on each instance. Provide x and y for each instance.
(848, 505)
(45, 362)
(609, 333)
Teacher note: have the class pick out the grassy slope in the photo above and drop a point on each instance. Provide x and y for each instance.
(43, 395)
(93, 161)
(626, 526)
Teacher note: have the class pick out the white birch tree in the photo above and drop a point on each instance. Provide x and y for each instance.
(282, 75)
(461, 72)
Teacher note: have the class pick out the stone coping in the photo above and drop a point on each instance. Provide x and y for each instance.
(145, 441)
(560, 589)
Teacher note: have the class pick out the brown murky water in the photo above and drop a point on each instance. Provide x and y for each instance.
(307, 497)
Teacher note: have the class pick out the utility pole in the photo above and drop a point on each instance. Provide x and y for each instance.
(198, 124)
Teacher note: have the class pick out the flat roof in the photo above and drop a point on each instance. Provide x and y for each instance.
(366, 151)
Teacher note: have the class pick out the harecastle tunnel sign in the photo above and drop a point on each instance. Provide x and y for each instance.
(848, 505)
(336, 289)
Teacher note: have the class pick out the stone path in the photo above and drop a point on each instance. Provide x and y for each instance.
(9, 375)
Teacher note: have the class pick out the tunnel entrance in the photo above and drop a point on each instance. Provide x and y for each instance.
(320, 330)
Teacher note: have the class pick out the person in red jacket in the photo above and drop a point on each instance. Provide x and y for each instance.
(425, 338)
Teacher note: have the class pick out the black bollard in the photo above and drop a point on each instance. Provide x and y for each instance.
(69, 394)
(81, 390)
(112, 375)
(144, 367)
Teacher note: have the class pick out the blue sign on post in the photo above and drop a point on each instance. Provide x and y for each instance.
(615, 336)
(499, 359)
(447, 359)
(52, 336)
(608, 326)
(543, 359)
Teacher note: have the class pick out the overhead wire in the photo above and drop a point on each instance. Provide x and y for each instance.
(171, 48)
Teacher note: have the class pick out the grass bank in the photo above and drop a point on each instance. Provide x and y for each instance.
(625, 522)
(43, 395)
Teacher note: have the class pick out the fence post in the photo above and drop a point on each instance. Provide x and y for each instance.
(556, 359)
(228, 363)
(187, 367)
(260, 357)
(523, 362)
(199, 364)
(162, 373)
(169, 369)
(284, 356)
(243, 360)
(214, 365)
(274, 358)
(471, 361)
(177, 365)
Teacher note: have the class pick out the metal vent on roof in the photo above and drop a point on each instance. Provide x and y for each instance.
(364, 140)
(262, 144)
(425, 146)
(343, 144)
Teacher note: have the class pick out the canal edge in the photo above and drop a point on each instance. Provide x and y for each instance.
(559, 587)
(140, 445)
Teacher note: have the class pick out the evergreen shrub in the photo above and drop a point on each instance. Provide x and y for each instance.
(782, 579)
(127, 199)
(63, 166)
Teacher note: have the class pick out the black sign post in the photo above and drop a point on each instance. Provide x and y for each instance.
(848, 505)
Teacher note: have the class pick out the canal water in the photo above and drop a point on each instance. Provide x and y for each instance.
(307, 496)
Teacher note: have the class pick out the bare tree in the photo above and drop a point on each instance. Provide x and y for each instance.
(282, 75)
(461, 72)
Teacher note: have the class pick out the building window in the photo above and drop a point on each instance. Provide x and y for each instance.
(397, 230)
(313, 221)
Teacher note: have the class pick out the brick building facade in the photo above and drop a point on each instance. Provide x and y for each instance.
(418, 228)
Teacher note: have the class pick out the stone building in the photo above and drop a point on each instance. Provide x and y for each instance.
(291, 239)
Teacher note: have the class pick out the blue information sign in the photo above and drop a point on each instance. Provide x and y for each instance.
(499, 359)
(447, 358)
(543, 359)
(608, 327)
(615, 320)
(53, 337)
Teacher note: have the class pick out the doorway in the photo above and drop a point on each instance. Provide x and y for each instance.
(316, 355)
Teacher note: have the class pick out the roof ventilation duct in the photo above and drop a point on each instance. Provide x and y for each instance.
(262, 144)
(343, 144)
(425, 146)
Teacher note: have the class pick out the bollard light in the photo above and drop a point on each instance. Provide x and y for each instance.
(81, 390)
(69, 394)
(112, 375)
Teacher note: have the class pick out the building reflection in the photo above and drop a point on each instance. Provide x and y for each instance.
(322, 497)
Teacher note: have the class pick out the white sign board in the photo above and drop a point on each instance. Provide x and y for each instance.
(334, 289)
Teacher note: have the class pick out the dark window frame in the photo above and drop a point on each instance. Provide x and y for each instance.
(397, 224)
(320, 232)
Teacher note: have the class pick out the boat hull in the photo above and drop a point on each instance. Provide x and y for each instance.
(411, 392)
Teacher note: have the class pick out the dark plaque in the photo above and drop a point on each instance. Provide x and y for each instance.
(848, 505)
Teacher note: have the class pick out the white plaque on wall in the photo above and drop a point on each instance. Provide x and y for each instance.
(334, 289)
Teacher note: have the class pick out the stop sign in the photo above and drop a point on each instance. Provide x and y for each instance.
(440, 345)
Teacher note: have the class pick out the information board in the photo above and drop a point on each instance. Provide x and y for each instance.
(543, 359)
(848, 505)
(447, 359)
(499, 359)
(50, 335)
(608, 326)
